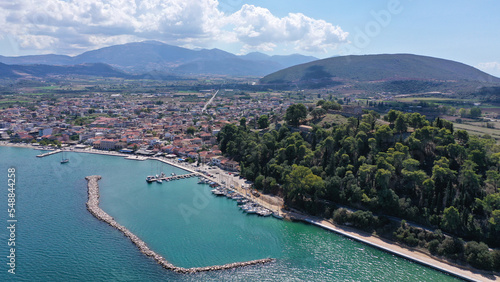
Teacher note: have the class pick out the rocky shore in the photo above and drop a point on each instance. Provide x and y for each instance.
(94, 209)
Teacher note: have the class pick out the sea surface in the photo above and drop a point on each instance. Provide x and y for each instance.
(57, 239)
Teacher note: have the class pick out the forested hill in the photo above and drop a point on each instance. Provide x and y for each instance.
(380, 67)
(422, 171)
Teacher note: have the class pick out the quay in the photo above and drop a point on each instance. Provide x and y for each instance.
(95, 210)
(137, 158)
(48, 154)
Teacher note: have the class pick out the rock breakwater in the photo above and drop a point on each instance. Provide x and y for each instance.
(94, 209)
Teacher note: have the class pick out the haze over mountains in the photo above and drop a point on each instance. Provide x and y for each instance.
(147, 56)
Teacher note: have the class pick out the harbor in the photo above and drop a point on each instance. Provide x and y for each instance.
(216, 232)
(94, 209)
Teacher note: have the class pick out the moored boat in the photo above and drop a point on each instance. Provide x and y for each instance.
(276, 215)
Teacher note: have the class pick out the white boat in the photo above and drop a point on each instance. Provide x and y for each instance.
(64, 160)
(264, 212)
(159, 180)
(251, 210)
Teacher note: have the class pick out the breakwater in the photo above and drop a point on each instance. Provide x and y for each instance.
(48, 154)
(94, 209)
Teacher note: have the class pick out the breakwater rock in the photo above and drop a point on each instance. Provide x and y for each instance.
(94, 209)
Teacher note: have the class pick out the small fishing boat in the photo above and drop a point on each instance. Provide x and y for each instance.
(150, 179)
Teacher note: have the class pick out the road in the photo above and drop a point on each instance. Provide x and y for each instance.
(209, 102)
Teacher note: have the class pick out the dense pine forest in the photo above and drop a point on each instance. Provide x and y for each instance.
(367, 171)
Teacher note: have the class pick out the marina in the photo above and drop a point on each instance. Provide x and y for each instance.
(94, 209)
(245, 203)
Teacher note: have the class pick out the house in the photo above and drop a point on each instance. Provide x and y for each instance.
(230, 165)
(216, 160)
(107, 144)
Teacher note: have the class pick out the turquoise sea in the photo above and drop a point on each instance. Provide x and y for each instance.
(57, 239)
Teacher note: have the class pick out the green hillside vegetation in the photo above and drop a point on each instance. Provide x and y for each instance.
(411, 168)
(380, 67)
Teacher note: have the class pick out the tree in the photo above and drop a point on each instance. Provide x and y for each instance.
(478, 255)
(318, 113)
(243, 122)
(301, 182)
(295, 113)
(475, 112)
(191, 130)
(392, 115)
(451, 219)
(462, 112)
(263, 121)
(400, 124)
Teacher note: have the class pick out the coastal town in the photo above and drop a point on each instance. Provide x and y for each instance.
(184, 125)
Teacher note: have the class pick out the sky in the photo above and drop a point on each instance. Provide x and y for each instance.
(464, 31)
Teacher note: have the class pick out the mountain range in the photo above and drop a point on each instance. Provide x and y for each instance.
(154, 56)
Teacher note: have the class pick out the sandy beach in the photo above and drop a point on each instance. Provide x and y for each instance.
(274, 203)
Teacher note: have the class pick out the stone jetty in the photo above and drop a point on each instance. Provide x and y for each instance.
(48, 154)
(94, 209)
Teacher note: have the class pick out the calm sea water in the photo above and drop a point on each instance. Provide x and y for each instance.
(59, 240)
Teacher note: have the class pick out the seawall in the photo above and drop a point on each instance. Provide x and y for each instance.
(94, 209)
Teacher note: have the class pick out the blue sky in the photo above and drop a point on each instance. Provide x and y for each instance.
(465, 31)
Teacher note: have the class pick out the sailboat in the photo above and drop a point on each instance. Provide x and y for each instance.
(63, 159)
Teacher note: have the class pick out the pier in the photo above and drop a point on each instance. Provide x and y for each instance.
(175, 177)
(95, 210)
(48, 154)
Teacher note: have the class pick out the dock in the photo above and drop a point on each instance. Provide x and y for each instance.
(137, 158)
(48, 154)
(176, 177)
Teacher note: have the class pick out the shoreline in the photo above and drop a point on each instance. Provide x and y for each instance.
(411, 255)
(95, 210)
(366, 238)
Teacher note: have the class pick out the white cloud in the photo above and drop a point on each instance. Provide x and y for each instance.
(72, 26)
(492, 68)
(257, 27)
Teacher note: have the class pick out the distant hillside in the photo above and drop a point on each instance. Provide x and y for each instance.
(26, 71)
(387, 67)
(147, 56)
(233, 66)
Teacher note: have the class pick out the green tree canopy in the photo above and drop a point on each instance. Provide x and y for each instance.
(295, 113)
